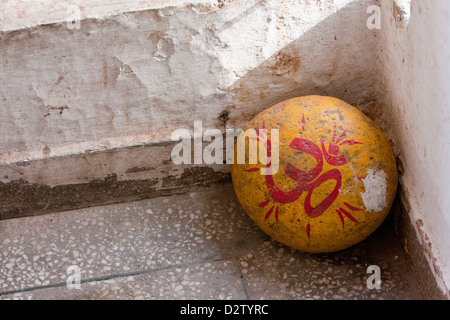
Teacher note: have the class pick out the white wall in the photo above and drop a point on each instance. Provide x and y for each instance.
(135, 71)
(415, 64)
(134, 77)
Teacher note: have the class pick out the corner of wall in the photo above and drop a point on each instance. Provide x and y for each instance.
(412, 115)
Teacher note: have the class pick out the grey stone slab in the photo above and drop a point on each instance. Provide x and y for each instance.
(273, 271)
(199, 245)
(201, 281)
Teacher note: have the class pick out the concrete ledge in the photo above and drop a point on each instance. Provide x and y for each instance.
(22, 14)
(97, 178)
(88, 110)
(415, 250)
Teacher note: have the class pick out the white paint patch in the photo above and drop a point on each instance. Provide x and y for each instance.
(376, 190)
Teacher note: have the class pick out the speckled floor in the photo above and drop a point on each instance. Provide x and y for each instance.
(200, 245)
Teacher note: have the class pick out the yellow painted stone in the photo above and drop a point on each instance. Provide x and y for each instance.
(337, 175)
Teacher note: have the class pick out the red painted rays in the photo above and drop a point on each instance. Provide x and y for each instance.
(308, 181)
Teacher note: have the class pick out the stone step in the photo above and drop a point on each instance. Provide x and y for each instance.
(200, 245)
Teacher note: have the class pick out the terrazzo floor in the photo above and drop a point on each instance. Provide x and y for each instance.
(200, 245)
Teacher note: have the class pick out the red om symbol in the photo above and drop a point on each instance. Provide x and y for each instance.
(308, 181)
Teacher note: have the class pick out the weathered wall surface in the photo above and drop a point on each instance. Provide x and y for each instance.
(414, 64)
(133, 78)
(21, 14)
(133, 72)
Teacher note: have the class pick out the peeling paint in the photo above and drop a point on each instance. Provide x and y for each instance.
(164, 66)
(375, 185)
